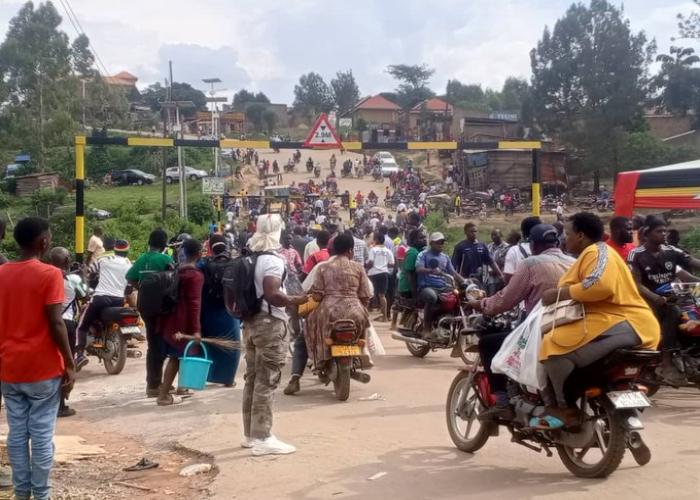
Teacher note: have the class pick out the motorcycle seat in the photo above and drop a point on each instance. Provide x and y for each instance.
(117, 313)
(641, 354)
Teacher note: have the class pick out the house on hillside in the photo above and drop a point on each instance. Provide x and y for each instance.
(126, 82)
(431, 120)
(377, 118)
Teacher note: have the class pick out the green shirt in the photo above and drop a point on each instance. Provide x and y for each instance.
(409, 266)
(149, 262)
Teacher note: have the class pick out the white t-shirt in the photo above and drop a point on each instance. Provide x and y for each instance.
(112, 270)
(320, 219)
(269, 265)
(318, 204)
(515, 256)
(311, 247)
(382, 258)
(401, 207)
(72, 286)
(229, 216)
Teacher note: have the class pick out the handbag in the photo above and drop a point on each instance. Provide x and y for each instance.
(562, 313)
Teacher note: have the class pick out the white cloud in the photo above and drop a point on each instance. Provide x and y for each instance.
(267, 44)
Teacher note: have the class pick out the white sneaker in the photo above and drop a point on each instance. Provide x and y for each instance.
(247, 442)
(271, 446)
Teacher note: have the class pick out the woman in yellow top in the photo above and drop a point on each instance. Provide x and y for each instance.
(616, 316)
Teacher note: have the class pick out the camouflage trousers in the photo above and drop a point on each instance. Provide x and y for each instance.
(265, 340)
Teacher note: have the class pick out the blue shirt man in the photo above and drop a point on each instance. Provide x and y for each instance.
(470, 255)
(431, 266)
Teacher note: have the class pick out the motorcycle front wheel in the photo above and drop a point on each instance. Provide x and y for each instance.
(462, 410)
(603, 454)
(341, 384)
(115, 347)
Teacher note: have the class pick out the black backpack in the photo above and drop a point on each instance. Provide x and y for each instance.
(158, 293)
(240, 297)
(214, 272)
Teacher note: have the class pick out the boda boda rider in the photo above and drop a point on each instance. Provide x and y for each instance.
(343, 291)
(431, 266)
(531, 278)
(616, 315)
(655, 265)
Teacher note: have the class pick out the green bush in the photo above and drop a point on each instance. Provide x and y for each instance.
(691, 241)
(200, 210)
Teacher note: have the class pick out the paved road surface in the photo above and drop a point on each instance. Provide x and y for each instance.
(341, 445)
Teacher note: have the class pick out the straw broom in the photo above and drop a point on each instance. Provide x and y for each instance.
(223, 343)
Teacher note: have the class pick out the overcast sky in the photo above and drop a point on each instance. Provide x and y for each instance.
(267, 44)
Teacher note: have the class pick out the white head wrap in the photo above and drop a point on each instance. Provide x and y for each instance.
(268, 230)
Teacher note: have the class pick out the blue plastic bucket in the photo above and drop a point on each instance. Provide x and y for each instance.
(194, 371)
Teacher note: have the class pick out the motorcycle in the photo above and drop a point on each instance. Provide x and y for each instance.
(346, 361)
(309, 166)
(607, 393)
(449, 328)
(317, 171)
(109, 337)
(290, 167)
(687, 297)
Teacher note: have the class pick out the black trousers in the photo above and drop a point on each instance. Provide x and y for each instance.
(92, 314)
(489, 344)
(669, 317)
(154, 355)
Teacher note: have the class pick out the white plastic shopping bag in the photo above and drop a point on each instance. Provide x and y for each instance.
(376, 347)
(518, 357)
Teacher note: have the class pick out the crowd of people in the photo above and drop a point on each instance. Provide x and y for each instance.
(310, 270)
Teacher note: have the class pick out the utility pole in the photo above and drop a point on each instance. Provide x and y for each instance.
(215, 117)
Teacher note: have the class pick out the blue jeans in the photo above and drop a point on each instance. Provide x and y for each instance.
(31, 415)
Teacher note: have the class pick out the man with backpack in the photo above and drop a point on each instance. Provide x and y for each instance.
(265, 334)
(216, 321)
(153, 261)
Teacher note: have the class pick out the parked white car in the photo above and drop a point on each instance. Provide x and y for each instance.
(388, 166)
(384, 155)
(172, 174)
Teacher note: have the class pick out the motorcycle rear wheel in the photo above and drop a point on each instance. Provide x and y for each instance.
(463, 401)
(341, 384)
(115, 364)
(419, 351)
(609, 441)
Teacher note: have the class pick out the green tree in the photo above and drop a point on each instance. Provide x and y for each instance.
(83, 60)
(639, 150)
(678, 81)
(346, 93)
(270, 119)
(255, 114)
(413, 83)
(242, 98)
(39, 93)
(590, 80)
(459, 93)
(154, 94)
(689, 26)
(312, 95)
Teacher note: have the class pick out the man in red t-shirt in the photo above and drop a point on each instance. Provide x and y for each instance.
(36, 365)
(322, 239)
(621, 236)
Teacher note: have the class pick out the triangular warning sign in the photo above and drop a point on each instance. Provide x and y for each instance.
(322, 135)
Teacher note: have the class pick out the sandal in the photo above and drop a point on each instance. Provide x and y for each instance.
(556, 418)
(143, 464)
(546, 423)
(184, 393)
(172, 400)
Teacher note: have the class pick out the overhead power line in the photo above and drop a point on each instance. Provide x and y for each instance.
(73, 19)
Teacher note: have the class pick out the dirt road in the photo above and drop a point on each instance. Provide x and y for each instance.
(342, 445)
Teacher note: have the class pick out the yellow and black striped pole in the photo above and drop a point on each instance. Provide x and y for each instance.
(536, 197)
(79, 197)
